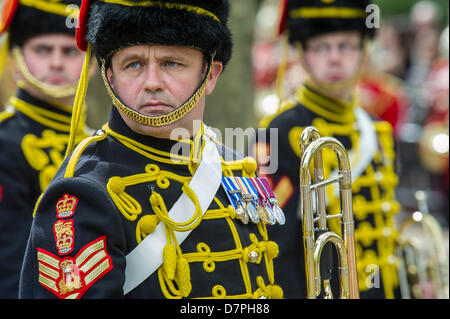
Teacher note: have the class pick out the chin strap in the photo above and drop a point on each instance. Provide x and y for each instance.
(4, 53)
(78, 103)
(282, 70)
(55, 91)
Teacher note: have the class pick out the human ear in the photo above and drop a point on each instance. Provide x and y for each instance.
(216, 70)
(110, 77)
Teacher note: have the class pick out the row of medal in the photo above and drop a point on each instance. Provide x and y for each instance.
(253, 200)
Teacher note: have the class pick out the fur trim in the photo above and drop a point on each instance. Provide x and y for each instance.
(112, 27)
(29, 22)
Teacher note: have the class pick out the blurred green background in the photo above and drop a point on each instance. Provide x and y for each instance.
(391, 7)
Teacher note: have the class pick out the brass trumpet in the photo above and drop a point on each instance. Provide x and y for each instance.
(317, 240)
(418, 266)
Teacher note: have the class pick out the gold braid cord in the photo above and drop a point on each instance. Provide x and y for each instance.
(161, 120)
(174, 275)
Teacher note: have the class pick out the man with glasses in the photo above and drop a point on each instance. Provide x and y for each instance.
(332, 39)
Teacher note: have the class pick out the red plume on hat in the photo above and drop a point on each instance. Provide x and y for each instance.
(282, 25)
(82, 25)
(8, 10)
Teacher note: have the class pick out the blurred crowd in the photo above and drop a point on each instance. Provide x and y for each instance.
(405, 82)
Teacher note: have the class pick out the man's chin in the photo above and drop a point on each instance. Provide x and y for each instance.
(164, 131)
(155, 111)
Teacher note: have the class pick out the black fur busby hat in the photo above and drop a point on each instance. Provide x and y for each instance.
(200, 24)
(27, 19)
(307, 18)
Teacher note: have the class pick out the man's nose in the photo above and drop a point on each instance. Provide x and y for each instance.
(57, 60)
(154, 78)
(334, 54)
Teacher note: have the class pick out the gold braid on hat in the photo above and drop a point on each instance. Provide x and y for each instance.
(164, 5)
(54, 6)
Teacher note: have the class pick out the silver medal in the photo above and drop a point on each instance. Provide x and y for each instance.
(271, 214)
(279, 215)
(242, 214)
(252, 213)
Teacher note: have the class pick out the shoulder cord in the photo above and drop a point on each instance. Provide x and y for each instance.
(45, 117)
(158, 155)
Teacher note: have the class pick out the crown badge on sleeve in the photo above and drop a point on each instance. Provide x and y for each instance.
(64, 236)
(65, 207)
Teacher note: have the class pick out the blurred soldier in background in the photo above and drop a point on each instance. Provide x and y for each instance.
(332, 39)
(34, 128)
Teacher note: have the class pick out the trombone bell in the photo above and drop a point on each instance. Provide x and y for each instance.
(418, 266)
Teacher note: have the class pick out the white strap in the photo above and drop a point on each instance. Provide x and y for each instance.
(366, 150)
(146, 258)
(367, 144)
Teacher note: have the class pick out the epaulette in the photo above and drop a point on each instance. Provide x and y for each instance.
(74, 158)
(285, 106)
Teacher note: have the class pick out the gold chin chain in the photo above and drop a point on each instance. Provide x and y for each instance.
(55, 91)
(158, 121)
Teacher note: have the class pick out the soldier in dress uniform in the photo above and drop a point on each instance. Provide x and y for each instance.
(34, 128)
(332, 38)
(135, 211)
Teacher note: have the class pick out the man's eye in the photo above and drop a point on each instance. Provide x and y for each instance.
(133, 65)
(171, 64)
(42, 50)
(70, 52)
(322, 47)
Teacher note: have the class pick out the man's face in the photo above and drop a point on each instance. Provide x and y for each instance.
(155, 80)
(54, 59)
(333, 57)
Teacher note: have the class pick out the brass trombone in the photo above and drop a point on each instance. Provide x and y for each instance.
(418, 266)
(317, 240)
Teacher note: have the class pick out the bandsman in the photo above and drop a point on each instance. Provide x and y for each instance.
(332, 39)
(139, 211)
(34, 128)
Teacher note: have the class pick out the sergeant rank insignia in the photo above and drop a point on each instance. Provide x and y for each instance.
(253, 200)
(69, 277)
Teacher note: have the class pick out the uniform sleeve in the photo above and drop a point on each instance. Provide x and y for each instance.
(17, 197)
(76, 246)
